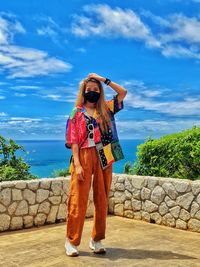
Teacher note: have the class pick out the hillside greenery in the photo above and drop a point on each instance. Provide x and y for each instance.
(175, 155)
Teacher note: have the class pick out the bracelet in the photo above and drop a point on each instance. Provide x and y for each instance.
(107, 81)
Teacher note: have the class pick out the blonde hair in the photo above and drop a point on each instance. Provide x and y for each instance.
(101, 106)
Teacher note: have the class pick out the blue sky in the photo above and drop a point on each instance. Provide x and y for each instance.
(152, 48)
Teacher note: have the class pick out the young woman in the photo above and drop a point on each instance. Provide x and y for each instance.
(92, 136)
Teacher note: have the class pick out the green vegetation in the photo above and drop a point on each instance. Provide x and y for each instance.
(11, 167)
(176, 155)
(128, 168)
(60, 173)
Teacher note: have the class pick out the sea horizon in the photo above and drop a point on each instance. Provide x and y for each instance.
(47, 155)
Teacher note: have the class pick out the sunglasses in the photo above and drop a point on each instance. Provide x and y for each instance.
(90, 128)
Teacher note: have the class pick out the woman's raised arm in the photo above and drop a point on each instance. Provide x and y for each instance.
(121, 91)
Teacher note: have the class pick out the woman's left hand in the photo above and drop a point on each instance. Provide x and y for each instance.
(96, 76)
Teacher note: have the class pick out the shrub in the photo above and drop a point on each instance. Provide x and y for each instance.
(175, 155)
(11, 167)
(60, 172)
(128, 169)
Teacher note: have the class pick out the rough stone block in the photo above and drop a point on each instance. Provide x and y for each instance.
(40, 219)
(138, 181)
(145, 193)
(12, 208)
(33, 209)
(28, 221)
(170, 190)
(51, 218)
(16, 194)
(128, 214)
(30, 196)
(175, 211)
(22, 208)
(45, 183)
(44, 207)
(16, 223)
(119, 209)
(168, 220)
(5, 196)
(20, 184)
(33, 184)
(180, 224)
(149, 206)
(4, 222)
(157, 195)
(194, 225)
(56, 187)
(136, 204)
(42, 195)
(185, 200)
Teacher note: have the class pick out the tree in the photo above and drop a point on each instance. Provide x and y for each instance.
(11, 167)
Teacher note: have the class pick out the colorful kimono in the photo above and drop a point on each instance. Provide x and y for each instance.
(84, 130)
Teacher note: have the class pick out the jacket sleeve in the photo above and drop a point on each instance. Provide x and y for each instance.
(114, 105)
(71, 133)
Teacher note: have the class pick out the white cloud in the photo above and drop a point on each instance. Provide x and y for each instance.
(182, 28)
(2, 97)
(3, 114)
(14, 120)
(156, 19)
(52, 96)
(51, 29)
(138, 129)
(23, 87)
(27, 62)
(20, 95)
(176, 35)
(151, 93)
(20, 61)
(60, 93)
(44, 127)
(142, 97)
(22, 131)
(60, 98)
(102, 20)
(186, 107)
(179, 51)
(66, 93)
(8, 28)
(47, 31)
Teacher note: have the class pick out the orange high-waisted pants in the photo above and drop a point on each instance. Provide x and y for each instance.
(79, 193)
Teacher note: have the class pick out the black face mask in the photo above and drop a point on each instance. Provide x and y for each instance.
(92, 96)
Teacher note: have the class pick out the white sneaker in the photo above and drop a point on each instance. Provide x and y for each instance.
(71, 250)
(97, 247)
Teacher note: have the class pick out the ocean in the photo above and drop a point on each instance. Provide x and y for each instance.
(46, 156)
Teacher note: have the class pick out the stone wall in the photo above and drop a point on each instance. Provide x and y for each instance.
(24, 204)
(167, 201)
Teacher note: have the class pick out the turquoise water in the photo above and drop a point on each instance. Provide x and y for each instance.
(46, 156)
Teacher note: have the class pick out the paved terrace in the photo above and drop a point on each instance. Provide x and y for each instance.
(129, 243)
